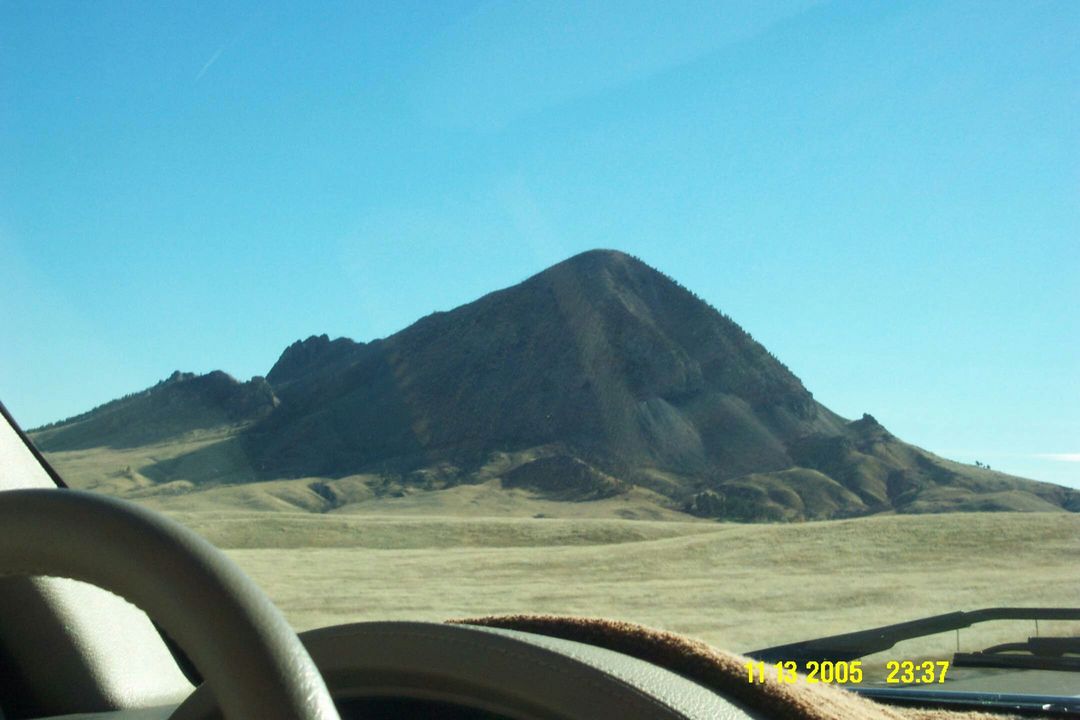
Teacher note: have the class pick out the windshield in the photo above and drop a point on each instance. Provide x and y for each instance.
(753, 322)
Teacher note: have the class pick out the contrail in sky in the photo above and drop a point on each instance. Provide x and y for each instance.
(211, 61)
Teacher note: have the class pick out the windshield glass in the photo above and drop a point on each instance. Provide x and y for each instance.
(753, 322)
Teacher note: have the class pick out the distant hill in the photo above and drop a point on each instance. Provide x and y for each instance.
(598, 377)
(178, 405)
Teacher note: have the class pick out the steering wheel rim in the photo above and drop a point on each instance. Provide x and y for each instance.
(248, 654)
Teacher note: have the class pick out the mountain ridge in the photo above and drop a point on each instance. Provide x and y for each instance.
(599, 368)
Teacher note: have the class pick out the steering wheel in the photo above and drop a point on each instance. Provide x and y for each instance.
(244, 648)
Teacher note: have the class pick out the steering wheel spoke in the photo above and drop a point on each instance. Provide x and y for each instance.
(251, 658)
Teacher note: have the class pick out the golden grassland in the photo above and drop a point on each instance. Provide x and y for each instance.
(483, 549)
(738, 587)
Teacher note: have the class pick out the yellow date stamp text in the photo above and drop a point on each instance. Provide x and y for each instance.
(846, 672)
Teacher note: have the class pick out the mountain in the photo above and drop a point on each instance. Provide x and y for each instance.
(595, 378)
(176, 406)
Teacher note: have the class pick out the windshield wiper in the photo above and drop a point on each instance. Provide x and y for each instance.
(849, 646)
(1038, 653)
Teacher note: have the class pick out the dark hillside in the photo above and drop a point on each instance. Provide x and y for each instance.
(177, 405)
(599, 354)
(599, 375)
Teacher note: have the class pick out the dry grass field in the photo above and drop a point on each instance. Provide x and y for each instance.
(482, 548)
(735, 586)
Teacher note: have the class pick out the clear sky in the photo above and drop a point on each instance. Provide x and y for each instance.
(886, 194)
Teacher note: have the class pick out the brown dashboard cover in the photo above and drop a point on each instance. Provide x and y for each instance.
(721, 671)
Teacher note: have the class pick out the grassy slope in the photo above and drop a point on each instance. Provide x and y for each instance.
(209, 453)
(478, 549)
(207, 470)
(736, 586)
(212, 454)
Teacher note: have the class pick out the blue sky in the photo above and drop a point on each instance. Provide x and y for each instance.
(887, 195)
